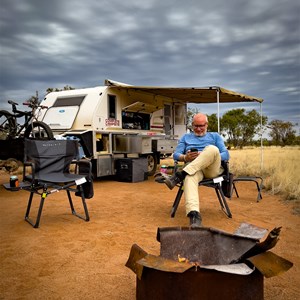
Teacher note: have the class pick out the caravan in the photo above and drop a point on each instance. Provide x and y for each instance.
(117, 120)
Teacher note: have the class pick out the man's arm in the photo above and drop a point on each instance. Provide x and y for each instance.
(221, 145)
(180, 150)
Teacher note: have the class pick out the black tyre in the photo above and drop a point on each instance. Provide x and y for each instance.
(12, 165)
(39, 131)
(7, 125)
(152, 164)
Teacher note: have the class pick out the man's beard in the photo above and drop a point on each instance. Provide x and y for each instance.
(201, 133)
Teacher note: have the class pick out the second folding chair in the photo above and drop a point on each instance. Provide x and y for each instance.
(48, 169)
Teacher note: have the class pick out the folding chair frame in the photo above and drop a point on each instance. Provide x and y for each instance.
(255, 179)
(213, 183)
(50, 175)
(34, 189)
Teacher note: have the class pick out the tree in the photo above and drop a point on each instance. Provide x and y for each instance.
(213, 123)
(190, 113)
(282, 133)
(66, 88)
(241, 126)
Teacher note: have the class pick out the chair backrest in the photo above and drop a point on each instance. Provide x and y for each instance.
(228, 180)
(51, 156)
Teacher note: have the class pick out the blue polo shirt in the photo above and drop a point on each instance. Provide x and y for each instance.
(190, 140)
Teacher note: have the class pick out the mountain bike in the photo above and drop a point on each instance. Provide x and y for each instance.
(31, 128)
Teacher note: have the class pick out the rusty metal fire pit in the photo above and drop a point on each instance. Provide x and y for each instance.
(206, 263)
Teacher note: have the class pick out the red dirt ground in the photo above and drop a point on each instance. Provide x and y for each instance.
(67, 258)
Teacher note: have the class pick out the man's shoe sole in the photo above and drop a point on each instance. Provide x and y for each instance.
(169, 184)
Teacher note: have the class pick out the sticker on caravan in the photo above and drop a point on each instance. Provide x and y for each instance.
(112, 122)
(61, 111)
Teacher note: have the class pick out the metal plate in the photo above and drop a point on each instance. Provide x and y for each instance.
(270, 264)
(206, 246)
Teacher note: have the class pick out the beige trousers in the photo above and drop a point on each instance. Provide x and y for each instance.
(206, 165)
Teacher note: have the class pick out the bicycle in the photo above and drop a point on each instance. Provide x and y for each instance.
(31, 128)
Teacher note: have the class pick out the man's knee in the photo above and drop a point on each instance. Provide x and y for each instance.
(212, 149)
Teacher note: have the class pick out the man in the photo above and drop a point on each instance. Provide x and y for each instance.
(203, 151)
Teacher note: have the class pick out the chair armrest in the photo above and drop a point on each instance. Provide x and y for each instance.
(83, 167)
(32, 167)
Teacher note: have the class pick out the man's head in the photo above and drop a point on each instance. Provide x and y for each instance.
(199, 124)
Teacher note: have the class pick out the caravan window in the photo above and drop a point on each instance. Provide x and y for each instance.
(112, 107)
(69, 101)
(62, 114)
(135, 120)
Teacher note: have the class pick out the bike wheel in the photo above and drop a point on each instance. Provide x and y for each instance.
(39, 131)
(7, 125)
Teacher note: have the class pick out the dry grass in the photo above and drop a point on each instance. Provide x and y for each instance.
(279, 167)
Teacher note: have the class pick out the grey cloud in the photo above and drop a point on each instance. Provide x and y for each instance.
(248, 46)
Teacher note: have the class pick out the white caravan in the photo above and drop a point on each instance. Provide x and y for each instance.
(119, 120)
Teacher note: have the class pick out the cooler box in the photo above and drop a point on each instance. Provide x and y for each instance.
(132, 169)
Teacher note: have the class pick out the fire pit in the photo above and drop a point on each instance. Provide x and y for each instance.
(206, 263)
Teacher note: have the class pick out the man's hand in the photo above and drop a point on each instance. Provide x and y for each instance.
(189, 156)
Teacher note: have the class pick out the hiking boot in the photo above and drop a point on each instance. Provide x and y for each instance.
(195, 218)
(173, 180)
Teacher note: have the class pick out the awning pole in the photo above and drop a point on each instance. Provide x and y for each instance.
(261, 140)
(218, 104)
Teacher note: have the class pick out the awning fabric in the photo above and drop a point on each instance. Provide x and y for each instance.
(190, 94)
(141, 107)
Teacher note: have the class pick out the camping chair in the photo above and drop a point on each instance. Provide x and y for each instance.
(222, 185)
(49, 171)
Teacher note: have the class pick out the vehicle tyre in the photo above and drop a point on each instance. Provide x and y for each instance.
(39, 131)
(152, 164)
(8, 126)
(12, 165)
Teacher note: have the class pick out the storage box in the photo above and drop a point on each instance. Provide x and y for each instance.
(132, 169)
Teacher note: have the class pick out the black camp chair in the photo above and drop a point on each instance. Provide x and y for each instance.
(49, 171)
(222, 185)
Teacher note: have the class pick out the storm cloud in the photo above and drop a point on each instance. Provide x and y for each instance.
(252, 47)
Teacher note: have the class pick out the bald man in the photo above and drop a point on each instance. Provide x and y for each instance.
(203, 152)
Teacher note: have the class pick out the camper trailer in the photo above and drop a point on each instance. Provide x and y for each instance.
(114, 122)
(117, 121)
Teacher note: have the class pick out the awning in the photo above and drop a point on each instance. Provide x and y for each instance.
(141, 107)
(190, 94)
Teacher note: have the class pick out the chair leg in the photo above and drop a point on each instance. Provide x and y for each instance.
(234, 188)
(259, 186)
(27, 218)
(86, 217)
(223, 201)
(177, 200)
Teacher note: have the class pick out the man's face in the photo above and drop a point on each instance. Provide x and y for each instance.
(200, 126)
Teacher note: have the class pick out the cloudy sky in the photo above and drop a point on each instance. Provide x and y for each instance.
(252, 47)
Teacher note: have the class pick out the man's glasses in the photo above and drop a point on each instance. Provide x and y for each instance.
(199, 126)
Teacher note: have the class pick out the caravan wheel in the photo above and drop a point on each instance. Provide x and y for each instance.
(152, 164)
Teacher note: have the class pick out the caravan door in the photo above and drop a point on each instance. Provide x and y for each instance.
(180, 120)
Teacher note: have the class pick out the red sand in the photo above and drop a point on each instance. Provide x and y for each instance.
(67, 258)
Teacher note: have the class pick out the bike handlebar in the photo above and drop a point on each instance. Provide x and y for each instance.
(31, 104)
